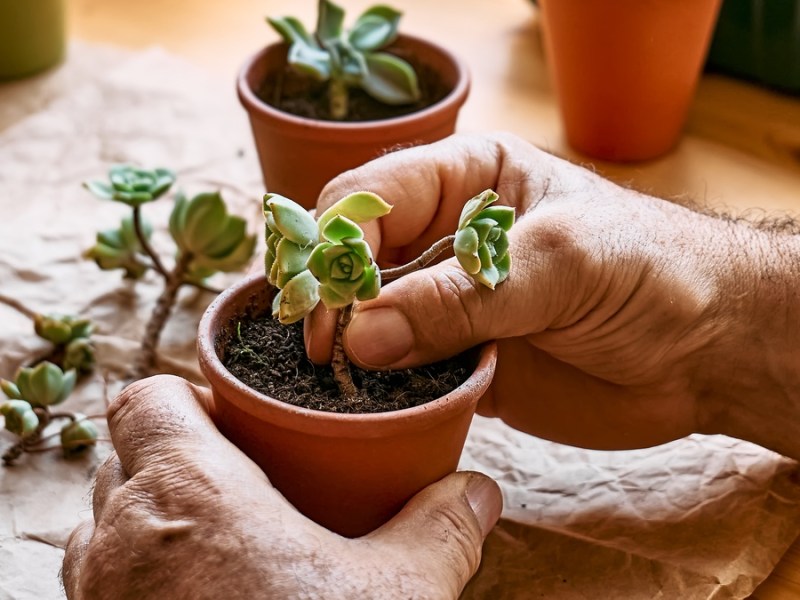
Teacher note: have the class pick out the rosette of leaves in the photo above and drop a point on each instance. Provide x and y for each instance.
(481, 242)
(42, 386)
(120, 249)
(211, 238)
(71, 338)
(350, 57)
(325, 260)
(131, 185)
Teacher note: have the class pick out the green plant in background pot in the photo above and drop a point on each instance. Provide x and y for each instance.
(322, 103)
(336, 451)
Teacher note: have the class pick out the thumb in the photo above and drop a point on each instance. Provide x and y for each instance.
(440, 532)
(440, 311)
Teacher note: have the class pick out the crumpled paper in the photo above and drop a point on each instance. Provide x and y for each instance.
(704, 517)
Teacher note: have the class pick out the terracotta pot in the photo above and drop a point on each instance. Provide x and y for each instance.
(32, 36)
(348, 472)
(625, 71)
(299, 156)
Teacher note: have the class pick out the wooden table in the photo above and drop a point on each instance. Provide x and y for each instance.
(741, 148)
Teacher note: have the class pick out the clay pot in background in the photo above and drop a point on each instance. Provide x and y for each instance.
(299, 156)
(348, 472)
(32, 36)
(625, 71)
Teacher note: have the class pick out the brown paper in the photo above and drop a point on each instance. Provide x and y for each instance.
(699, 518)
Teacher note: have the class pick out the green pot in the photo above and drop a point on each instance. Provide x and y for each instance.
(32, 36)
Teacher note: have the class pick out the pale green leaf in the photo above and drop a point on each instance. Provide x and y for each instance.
(359, 207)
(390, 79)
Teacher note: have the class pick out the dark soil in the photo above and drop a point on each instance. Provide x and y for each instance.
(303, 96)
(271, 358)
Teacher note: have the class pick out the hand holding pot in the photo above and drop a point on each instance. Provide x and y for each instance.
(179, 512)
(626, 321)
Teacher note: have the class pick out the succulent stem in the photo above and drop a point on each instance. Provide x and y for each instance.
(421, 261)
(339, 361)
(147, 352)
(26, 443)
(338, 99)
(145, 244)
(17, 306)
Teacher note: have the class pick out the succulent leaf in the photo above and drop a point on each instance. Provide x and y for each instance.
(359, 207)
(390, 79)
(292, 31)
(330, 20)
(60, 329)
(481, 243)
(298, 298)
(79, 355)
(19, 416)
(10, 389)
(375, 28)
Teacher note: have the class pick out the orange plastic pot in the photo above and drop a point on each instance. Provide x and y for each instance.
(625, 71)
(299, 156)
(348, 472)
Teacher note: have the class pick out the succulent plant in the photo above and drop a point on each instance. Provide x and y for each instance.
(60, 329)
(481, 243)
(19, 417)
(78, 435)
(43, 385)
(216, 241)
(120, 249)
(350, 57)
(79, 355)
(326, 260)
(131, 185)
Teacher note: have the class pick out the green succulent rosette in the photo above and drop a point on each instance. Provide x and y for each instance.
(78, 435)
(61, 329)
(43, 385)
(215, 239)
(481, 242)
(131, 185)
(120, 249)
(351, 57)
(325, 260)
(343, 265)
(19, 416)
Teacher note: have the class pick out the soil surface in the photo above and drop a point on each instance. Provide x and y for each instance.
(271, 358)
(303, 96)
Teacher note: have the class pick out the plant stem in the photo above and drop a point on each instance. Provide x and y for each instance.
(338, 99)
(339, 362)
(147, 353)
(145, 244)
(29, 441)
(422, 260)
(18, 306)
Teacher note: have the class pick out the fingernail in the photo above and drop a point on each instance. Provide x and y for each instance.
(379, 337)
(484, 497)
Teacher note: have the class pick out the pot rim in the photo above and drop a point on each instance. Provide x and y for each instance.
(452, 101)
(319, 422)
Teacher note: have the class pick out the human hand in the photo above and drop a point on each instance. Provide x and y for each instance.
(179, 512)
(623, 322)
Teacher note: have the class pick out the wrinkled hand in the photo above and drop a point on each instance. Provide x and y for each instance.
(179, 512)
(619, 324)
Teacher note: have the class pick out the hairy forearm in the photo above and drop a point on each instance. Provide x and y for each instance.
(754, 386)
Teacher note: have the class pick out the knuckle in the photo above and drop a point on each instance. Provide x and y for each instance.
(140, 392)
(454, 291)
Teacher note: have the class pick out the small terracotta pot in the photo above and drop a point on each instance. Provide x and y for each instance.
(32, 36)
(299, 156)
(348, 472)
(625, 71)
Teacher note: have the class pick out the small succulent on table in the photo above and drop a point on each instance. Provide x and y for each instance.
(28, 411)
(208, 240)
(327, 260)
(346, 58)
